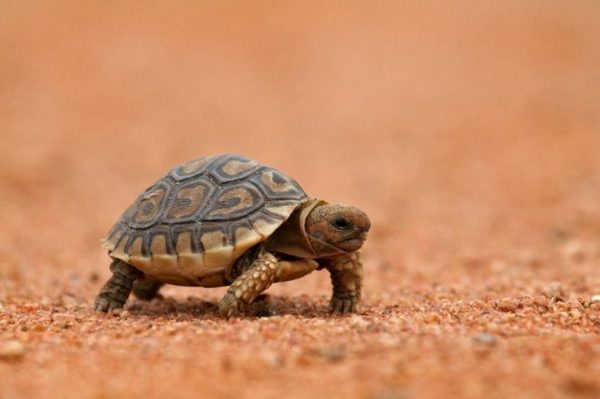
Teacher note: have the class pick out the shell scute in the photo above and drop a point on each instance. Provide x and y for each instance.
(190, 169)
(277, 186)
(234, 202)
(188, 200)
(233, 167)
(149, 206)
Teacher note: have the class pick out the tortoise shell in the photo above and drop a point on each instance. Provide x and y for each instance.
(191, 226)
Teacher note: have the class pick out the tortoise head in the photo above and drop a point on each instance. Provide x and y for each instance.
(335, 228)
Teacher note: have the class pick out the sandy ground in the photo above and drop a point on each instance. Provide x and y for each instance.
(470, 133)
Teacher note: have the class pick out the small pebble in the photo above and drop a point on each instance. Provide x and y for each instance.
(271, 358)
(554, 290)
(575, 304)
(12, 350)
(506, 305)
(170, 330)
(330, 353)
(432, 318)
(596, 298)
(485, 339)
(574, 251)
(388, 340)
(358, 321)
(541, 300)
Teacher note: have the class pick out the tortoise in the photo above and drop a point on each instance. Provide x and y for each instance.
(227, 220)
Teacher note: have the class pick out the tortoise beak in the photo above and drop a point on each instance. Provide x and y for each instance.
(354, 242)
(350, 245)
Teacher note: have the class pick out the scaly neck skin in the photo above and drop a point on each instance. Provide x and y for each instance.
(291, 238)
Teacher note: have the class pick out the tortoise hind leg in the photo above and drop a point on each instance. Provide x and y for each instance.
(146, 289)
(115, 292)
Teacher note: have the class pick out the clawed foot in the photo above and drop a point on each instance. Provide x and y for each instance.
(229, 305)
(343, 304)
(106, 304)
(114, 293)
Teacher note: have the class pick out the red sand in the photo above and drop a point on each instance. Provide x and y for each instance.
(470, 133)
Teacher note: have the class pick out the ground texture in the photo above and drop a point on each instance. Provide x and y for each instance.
(470, 133)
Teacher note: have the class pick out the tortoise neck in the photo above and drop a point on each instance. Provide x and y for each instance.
(291, 238)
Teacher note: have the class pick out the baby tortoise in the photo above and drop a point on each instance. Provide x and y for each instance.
(227, 220)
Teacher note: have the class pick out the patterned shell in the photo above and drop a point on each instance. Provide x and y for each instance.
(192, 224)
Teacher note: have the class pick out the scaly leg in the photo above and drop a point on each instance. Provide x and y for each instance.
(146, 289)
(250, 284)
(116, 290)
(346, 278)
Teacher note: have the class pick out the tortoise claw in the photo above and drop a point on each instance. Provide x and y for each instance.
(106, 304)
(228, 305)
(343, 305)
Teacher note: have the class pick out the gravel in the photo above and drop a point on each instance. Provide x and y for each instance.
(12, 350)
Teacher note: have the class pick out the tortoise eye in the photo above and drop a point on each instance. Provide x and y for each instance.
(340, 224)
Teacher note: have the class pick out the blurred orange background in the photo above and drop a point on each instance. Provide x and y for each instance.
(405, 108)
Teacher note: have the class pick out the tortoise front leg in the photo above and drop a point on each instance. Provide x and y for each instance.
(115, 292)
(346, 278)
(259, 276)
